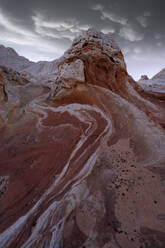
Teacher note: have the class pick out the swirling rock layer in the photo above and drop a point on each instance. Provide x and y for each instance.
(82, 161)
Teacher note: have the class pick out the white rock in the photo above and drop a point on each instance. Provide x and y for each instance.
(73, 71)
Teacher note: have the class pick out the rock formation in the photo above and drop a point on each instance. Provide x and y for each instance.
(154, 85)
(143, 77)
(11, 59)
(82, 156)
(160, 75)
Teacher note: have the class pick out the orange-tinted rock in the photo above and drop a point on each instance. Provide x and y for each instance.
(82, 160)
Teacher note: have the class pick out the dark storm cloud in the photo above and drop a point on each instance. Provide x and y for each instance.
(42, 29)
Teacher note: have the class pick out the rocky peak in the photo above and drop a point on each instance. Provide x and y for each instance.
(93, 58)
(95, 41)
(7, 51)
(92, 35)
(10, 58)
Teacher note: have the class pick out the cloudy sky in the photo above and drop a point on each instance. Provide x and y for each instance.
(44, 29)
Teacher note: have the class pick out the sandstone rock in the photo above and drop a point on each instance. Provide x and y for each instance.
(73, 71)
(82, 155)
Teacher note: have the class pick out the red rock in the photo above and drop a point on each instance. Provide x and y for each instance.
(82, 157)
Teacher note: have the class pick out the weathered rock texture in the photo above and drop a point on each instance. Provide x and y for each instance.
(82, 158)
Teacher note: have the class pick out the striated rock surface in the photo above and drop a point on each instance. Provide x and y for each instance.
(82, 161)
(160, 75)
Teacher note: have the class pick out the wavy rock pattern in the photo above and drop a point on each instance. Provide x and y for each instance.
(82, 161)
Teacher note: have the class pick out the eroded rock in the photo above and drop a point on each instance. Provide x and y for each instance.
(82, 155)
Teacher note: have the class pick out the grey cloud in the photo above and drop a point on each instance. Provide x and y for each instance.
(129, 33)
(144, 19)
(108, 30)
(109, 14)
(68, 28)
(14, 34)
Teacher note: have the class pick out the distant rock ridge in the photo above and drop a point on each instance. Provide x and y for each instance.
(10, 58)
(160, 75)
(155, 84)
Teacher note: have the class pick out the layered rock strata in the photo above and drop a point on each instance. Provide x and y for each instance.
(82, 161)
